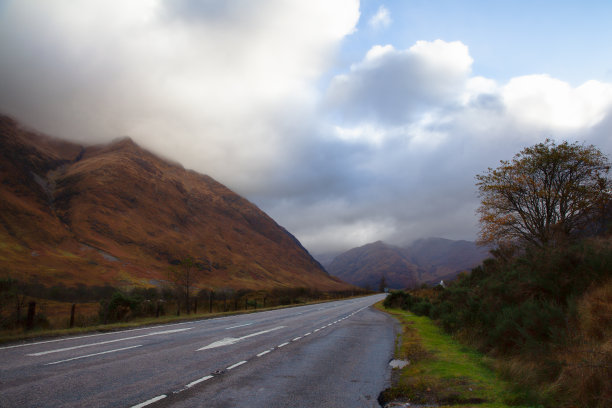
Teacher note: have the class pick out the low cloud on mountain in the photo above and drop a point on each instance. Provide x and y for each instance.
(255, 95)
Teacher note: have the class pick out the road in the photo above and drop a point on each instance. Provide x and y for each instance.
(325, 355)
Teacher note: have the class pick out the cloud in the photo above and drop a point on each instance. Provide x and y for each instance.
(545, 102)
(388, 149)
(396, 86)
(422, 136)
(382, 18)
(205, 82)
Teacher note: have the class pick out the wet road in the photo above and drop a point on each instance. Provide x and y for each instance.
(326, 355)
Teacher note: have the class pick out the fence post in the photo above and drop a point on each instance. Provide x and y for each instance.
(31, 313)
(195, 306)
(210, 301)
(72, 309)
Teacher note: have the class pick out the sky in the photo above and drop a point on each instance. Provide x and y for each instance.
(347, 122)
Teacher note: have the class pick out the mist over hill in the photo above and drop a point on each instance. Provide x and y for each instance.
(117, 214)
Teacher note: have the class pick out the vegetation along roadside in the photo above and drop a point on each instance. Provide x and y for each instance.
(440, 371)
(540, 310)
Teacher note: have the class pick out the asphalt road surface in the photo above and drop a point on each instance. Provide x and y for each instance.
(326, 355)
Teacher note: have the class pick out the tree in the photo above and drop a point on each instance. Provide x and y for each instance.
(382, 284)
(184, 278)
(547, 191)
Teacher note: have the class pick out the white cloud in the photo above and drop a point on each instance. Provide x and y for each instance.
(382, 18)
(549, 103)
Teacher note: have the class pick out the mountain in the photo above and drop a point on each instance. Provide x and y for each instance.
(424, 261)
(118, 214)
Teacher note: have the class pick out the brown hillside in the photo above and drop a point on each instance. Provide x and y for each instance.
(120, 215)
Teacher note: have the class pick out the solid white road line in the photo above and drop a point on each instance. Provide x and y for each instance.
(42, 353)
(92, 335)
(233, 340)
(236, 365)
(191, 384)
(92, 355)
(240, 325)
(149, 402)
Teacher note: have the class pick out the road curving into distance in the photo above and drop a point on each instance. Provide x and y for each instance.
(325, 355)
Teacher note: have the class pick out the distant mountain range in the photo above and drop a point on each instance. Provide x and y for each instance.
(117, 214)
(424, 261)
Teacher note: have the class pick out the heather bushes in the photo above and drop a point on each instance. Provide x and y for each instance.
(551, 306)
(521, 305)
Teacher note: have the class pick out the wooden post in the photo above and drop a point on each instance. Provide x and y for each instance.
(210, 301)
(72, 309)
(157, 309)
(31, 314)
(195, 306)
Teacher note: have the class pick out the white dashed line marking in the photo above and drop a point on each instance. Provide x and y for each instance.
(191, 384)
(263, 353)
(307, 334)
(149, 402)
(282, 345)
(240, 325)
(297, 338)
(236, 365)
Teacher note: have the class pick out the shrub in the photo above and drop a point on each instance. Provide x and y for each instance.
(120, 307)
(421, 308)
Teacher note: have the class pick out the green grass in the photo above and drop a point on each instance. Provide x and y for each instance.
(442, 372)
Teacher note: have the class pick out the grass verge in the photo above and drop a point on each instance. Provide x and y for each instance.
(442, 372)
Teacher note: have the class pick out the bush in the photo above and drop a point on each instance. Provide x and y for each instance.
(120, 307)
(398, 299)
(421, 308)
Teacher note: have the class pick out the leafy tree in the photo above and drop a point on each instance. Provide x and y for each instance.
(547, 191)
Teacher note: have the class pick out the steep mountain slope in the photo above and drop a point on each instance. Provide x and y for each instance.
(425, 261)
(118, 214)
